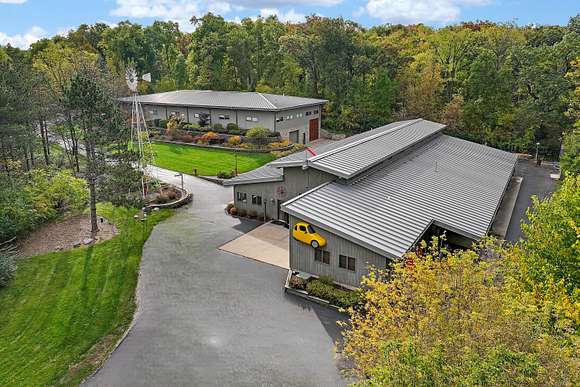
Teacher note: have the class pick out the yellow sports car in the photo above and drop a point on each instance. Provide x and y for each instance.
(305, 233)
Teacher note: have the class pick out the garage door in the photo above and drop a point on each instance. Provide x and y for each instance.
(294, 136)
(313, 129)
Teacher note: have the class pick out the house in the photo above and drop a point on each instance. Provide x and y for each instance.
(295, 118)
(374, 195)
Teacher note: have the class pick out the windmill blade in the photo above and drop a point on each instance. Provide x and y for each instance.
(131, 77)
(146, 77)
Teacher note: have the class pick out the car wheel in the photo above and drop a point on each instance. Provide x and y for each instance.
(314, 244)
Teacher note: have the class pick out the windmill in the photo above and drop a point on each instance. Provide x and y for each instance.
(139, 132)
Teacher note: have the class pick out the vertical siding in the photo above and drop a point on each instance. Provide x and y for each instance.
(300, 124)
(296, 181)
(302, 257)
(265, 119)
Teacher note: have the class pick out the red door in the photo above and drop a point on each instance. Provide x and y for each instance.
(313, 129)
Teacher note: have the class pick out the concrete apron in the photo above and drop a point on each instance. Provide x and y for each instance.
(267, 243)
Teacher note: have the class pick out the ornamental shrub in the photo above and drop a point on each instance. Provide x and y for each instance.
(234, 140)
(322, 289)
(258, 132)
(231, 126)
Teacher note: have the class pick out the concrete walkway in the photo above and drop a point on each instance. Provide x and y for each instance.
(267, 243)
(210, 318)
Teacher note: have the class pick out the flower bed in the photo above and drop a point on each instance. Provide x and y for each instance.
(325, 289)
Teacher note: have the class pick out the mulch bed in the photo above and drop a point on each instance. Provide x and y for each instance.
(64, 235)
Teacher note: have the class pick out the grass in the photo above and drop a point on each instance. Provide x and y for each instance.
(63, 312)
(208, 162)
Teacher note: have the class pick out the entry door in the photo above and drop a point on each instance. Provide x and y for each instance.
(294, 136)
(313, 129)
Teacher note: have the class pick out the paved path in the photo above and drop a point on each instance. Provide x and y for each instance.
(537, 182)
(210, 318)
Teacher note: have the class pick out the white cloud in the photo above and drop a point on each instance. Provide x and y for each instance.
(419, 11)
(182, 10)
(23, 41)
(290, 16)
(12, 1)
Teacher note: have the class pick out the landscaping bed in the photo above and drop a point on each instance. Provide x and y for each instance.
(65, 234)
(64, 312)
(323, 290)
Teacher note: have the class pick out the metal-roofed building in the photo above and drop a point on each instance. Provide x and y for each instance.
(375, 195)
(296, 118)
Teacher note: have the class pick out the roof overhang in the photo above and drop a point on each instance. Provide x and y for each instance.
(253, 181)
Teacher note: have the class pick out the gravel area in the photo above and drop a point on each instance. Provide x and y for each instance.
(64, 235)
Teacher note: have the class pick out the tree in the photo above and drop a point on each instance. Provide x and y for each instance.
(445, 318)
(100, 121)
(552, 238)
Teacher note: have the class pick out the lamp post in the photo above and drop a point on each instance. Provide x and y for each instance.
(537, 148)
(180, 175)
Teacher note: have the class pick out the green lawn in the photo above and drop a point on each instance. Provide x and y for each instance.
(208, 162)
(64, 311)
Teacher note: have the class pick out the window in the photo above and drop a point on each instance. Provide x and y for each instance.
(248, 118)
(308, 113)
(251, 118)
(255, 119)
(242, 197)
(196, 115)
(315, 111)
(257, 200)
(224, 116)
(279, 119)
(302, 228)
(287, 117)
(348, 263)
(322, 256)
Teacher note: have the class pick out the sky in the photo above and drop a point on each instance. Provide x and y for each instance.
(23, 22)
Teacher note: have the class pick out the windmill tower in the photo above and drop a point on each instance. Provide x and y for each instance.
(139, 132)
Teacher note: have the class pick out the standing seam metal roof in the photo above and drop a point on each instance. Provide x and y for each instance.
(227, 100)
(447, 181)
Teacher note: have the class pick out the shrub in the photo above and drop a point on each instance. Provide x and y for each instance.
(233, 211)
(246, 145)
(231, 126)
(297, 282)
(326, 279)
(163, 198)
(226, 174)
(338, 297)
(191, 127)
(234, 140)
(281, 144)
(252, 214)
(187, 138)
(258, 133)
(242, 212)
(229, 207)
(209, 137)
(56, 194)
(236, 131)
(218, 128)
(162, 124)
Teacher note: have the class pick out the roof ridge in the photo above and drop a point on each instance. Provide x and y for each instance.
(363, 140)
(267, 100)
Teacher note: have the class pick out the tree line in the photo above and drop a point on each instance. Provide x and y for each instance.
(497, 83)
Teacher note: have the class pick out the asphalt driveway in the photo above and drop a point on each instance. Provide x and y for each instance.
(211, 318)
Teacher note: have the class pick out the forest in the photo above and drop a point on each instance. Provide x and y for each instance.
(504, 85)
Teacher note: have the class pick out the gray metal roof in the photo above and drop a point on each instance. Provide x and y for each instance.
(227, 100)
(454, 183)
(349, 156)
(263, 174)
(353, 155)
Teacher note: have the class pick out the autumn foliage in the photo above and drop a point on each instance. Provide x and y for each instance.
(490, 315)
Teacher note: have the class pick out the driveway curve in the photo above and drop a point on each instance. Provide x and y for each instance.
(210, 318)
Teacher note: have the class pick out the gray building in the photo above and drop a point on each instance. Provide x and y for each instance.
(295, 118)
(373, 196)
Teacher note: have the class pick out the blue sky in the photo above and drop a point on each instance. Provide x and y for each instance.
(24, 21)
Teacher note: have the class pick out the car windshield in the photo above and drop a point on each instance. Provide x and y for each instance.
(311, 229)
